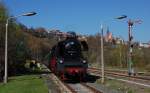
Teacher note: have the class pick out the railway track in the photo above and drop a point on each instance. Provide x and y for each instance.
(120, 73)
(73, 87)
(81, 88)
(139, 80)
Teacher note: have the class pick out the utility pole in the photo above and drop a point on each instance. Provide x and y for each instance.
(6, 47)
(102, 55)
(102, 49)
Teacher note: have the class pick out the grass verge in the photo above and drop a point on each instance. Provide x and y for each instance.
(24, 84)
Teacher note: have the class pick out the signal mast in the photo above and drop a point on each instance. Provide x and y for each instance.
(130, 45)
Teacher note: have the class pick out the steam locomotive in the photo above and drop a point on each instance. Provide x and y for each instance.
(67, 60)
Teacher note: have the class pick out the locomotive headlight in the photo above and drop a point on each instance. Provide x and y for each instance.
(61, 61)
(84, 61)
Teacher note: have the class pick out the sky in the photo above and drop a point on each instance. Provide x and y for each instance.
(85, 16)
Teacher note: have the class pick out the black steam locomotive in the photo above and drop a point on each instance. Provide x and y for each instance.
(67, 60)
